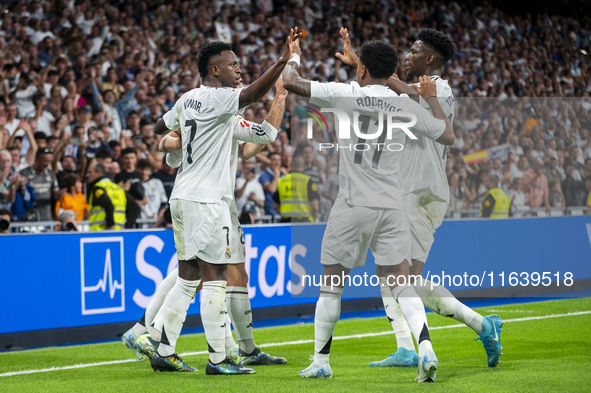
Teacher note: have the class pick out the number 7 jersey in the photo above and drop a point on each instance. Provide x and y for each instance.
(206, 117)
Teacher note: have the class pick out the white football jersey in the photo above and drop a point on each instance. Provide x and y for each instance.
(370, 175)
(423, 164)
(206, 117)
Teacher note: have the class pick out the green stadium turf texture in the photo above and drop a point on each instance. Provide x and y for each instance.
(540, 355)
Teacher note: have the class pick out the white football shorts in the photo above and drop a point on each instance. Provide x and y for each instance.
(424, 215)
(351, 230)
(208, 231)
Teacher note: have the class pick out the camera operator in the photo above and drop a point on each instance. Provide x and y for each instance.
(4, 221)
(67, 222)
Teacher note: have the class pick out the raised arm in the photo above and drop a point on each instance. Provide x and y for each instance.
(292, 81)
(428, 90)
(170, 143)
(262, 85)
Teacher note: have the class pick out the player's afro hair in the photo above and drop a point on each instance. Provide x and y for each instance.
(440, 43)
(207, 52)
(380, 59)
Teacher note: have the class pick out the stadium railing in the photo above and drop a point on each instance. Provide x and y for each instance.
(84, 226)
(533, 212)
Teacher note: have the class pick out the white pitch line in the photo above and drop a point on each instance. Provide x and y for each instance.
(297, 342)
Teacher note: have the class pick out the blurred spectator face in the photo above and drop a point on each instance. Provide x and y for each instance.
(41, 143)
(454, 180)
(128, 162)
(275, 161)
(568, 170)
(145, 173)
(114, 168)
(517, 182)
(537, 167)
(69, 164)
(92, 137)
(12, 112)
(497, 163)
(5, 161)
(92, 173)
(277, 146)
(167, 168)
(147, 134)
(522, 163)
(116, 152)
(109, 98)
(99, 118)
(308, 154)
(43, 161)
(283, 137)
(286, 159)
(16, 158)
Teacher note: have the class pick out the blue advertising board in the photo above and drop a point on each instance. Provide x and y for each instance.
(62, 280)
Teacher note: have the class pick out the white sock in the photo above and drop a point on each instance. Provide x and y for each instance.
(159, 297)
(414, 313)
(395, 317)
(230, 343)
(241, 315)
(441, 301)
(213, 316)
(169, 320)
(328, 310)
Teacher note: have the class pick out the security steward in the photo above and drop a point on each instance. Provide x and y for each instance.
(297, 197)
(496, 203)
(107, 200)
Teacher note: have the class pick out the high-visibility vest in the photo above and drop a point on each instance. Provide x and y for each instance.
(293, 195)
(502, 203)
(97, 213)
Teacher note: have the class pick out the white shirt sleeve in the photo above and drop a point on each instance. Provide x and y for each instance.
(426, 125)
(226, 100)
(323, 94)
(247, 131)
(171, 118)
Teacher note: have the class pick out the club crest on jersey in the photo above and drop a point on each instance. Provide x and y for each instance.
(228, 253)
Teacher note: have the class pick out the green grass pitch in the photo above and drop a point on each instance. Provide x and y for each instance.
(541, 355)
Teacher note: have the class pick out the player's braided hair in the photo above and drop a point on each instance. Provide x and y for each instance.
(380, 59)
(440, 43)
(207, 52)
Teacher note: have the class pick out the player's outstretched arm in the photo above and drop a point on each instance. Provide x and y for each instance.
(274, 119)
(399, 87)
(428, 90)
(292, 81)
(262, 85)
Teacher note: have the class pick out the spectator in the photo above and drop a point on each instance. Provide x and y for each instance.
(135, 194)
(248, 188)
(556, 199)
(43, 118)
(23, 96)
(459, 194)
(96, 142)
(44, 182)
(574, 190)
(269, 179)
(107, 200)
(73, 199)
(539, 192)
(312, 167)
(4, 221)
(249, 213)
(519, 199)
(297, 195)
(496, 203)
(128, 162)
(67, 222)
(8, 183)
(167, 176)
(153, 191)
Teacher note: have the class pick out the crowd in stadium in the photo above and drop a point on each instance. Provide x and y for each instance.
(84, 83)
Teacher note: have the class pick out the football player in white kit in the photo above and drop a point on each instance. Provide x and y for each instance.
(237, 302)
(201, 202)
(369, 211)
(426, 197)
